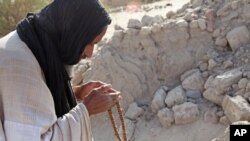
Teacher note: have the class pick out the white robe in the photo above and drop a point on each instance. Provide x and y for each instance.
(27, 110)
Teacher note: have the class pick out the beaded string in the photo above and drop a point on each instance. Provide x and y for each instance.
(119, 109)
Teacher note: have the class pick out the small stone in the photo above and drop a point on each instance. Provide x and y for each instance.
(166, 117)
(238, 36)
(134, 111)
(224, 120)
(170, 14)
(158, 100)
(194, 24)
(202, 24)
(165, 88)
(197, 3)
(182, 23)
(175, 96)
(198, 9)
(186, 113)
(224, 10)
(236, 108)
(228, 64)
(203, 66)
(243, 83)
(228, 78)
(210, 16)
(194, 16)
(216, 33)
(211, 64)
(230, 16)
(213, 95)
(194, 82)
(134, 23)
(188, 17)
(221, 42)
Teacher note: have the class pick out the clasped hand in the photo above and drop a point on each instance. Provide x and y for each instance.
(97, 96)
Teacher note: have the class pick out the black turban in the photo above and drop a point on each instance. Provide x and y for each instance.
(57, 36)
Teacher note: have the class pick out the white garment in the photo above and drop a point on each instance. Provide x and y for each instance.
(26, 105)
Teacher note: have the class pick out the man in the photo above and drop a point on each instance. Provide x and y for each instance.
(37, 102)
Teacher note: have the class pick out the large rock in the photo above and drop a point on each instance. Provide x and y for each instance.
(238, 37)
(158, 100)
(228, 78)
(166, 117)
(236, 108)
(214, 95)
(175, 96)
(134, 111)
(211, 64)
(186, 113)
(194, 82)
(225, 80)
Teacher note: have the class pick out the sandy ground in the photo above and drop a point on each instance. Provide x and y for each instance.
(197, 131)
(153, 131)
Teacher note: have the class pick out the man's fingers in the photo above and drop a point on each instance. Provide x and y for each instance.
(104, 88)
(115, 96)
(98, 83)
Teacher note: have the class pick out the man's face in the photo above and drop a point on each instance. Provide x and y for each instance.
(88, 51)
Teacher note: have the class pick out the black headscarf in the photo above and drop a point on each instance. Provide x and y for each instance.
(57, 36)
